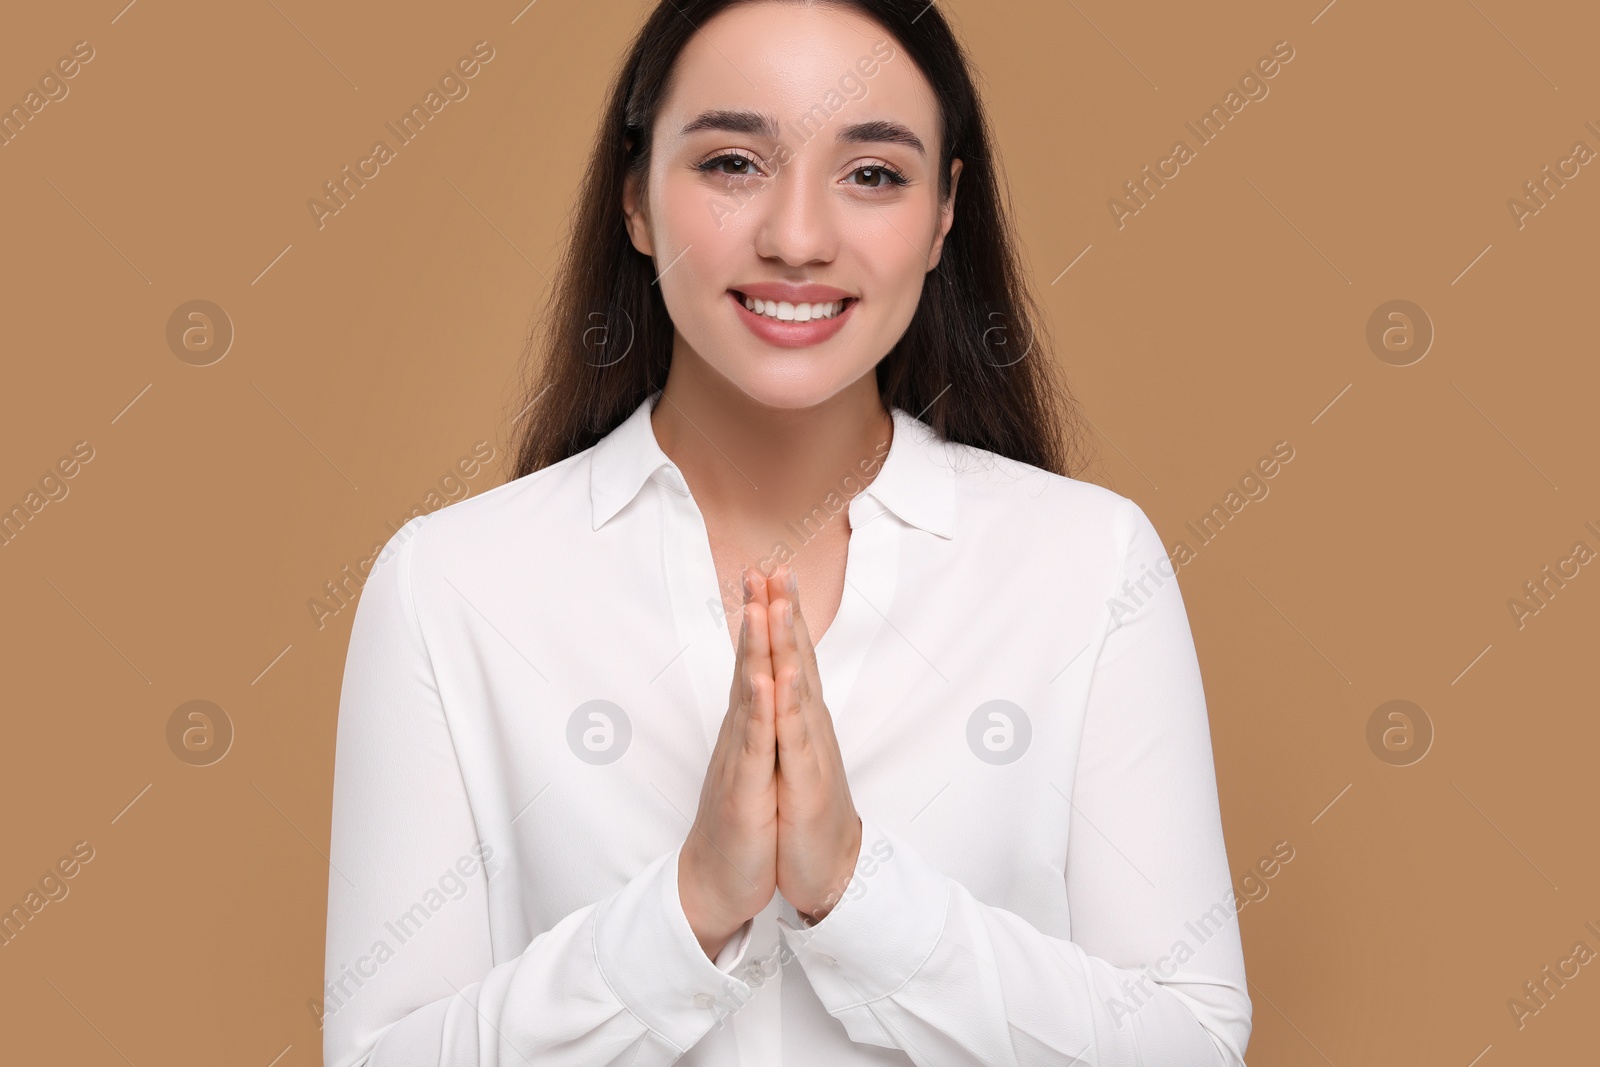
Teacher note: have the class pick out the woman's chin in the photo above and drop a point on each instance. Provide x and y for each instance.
(790, 392)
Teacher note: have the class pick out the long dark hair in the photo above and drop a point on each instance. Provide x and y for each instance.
(975, 363)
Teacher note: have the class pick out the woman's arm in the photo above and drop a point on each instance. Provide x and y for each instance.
(411, 974)
(1154, 972)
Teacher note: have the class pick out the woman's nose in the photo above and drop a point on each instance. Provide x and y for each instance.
(797, 224)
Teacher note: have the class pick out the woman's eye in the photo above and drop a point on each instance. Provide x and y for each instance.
(742, 167)
(877, 176)
(873, 175)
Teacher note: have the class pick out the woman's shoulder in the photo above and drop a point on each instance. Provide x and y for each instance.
(509, 518)
(1010, 493)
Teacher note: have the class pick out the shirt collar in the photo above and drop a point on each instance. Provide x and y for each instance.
(916, 480)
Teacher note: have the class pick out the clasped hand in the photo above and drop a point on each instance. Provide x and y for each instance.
(775, 810)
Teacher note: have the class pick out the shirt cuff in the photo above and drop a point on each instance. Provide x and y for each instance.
(649, 956)
(881, 932)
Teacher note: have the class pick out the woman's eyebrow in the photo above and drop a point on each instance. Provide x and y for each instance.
(750, 122)
(881, 131)
(753, 123)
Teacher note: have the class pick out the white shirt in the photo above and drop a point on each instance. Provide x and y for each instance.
(535, 681)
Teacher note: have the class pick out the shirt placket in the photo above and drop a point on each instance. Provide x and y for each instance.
(701, 627)
(700, 623)
(699, 617)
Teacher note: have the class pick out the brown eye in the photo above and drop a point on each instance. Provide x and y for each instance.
(879, 177)
(743, 166)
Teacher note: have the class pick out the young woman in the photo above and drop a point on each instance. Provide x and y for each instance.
(794, 703)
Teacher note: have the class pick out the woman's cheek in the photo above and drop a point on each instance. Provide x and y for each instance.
(898, 286)
(711, 214)
(684, 220)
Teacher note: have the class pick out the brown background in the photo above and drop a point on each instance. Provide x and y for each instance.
(1230, 313)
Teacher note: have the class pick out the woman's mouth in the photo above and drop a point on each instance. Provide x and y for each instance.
(792, 325)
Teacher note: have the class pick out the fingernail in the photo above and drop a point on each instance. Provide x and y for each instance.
(792, 583)
(788, 614)
(744, 580)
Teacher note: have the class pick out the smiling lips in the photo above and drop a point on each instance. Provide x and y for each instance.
(793, 316)
(784, 311)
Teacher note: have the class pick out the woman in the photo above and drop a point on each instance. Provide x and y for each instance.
(793, 704)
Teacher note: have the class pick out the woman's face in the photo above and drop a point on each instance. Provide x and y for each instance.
(838, 206)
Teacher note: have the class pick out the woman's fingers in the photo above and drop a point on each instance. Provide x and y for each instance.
(785, 583)
(739, 689)
(790, 719)
(755, 586)
(794, 651)
(758, 666)
(759, 737)
(819, 830)
(753, 730)
(728, 869)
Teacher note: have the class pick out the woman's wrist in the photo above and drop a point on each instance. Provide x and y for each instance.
(711, 928)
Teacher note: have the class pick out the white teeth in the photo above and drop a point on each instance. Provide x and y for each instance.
(787, 312)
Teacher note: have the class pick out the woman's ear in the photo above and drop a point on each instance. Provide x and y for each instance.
(947, 215)
(634, 215)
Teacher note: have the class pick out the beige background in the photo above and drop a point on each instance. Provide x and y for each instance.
(1229, 314)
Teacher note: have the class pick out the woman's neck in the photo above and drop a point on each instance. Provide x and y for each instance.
(763, 466)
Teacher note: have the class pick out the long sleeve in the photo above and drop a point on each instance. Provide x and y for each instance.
(1154, 972)
(411, 972)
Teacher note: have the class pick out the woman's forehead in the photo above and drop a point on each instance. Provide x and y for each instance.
(781, 60)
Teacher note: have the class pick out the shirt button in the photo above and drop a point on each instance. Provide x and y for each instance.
(702, 1000)
(829, 960)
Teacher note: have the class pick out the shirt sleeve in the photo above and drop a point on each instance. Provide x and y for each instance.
(411, 975)
(1154, 972)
